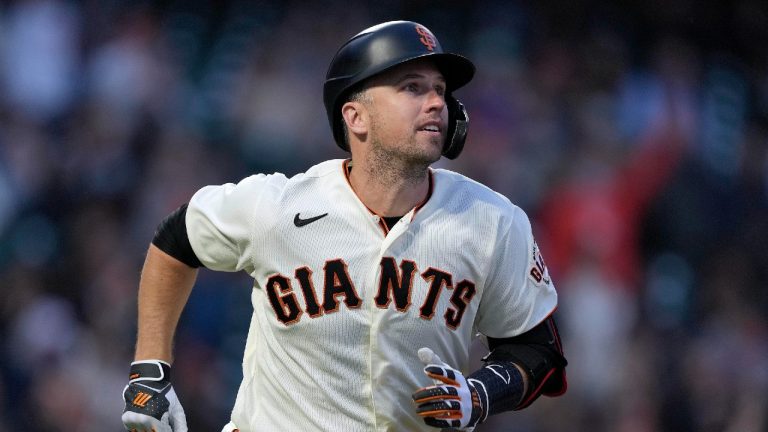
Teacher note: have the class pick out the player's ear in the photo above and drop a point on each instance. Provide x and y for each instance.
(355, 116)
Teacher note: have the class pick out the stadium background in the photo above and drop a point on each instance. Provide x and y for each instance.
(635, 136)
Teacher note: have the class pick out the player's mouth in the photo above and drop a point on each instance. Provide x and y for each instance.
(432, 128)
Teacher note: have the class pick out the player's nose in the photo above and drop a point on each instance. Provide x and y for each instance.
(435, 101)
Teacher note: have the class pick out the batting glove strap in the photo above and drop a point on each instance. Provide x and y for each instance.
(499, 386)
(150, 371)
(452, 402)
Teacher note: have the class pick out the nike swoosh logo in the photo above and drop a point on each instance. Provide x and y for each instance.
(299, 222)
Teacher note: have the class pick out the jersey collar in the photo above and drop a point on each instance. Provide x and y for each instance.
(347, 168)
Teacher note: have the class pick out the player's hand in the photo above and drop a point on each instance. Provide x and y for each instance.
(452, 402)
(150, 402)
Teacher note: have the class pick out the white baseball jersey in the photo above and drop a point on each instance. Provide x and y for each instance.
(341, 304)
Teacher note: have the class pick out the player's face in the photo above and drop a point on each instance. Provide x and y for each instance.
(408, 113)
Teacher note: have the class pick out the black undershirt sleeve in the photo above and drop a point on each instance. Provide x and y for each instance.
(171, 237)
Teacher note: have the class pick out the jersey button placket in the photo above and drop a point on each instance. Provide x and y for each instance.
(375, 313)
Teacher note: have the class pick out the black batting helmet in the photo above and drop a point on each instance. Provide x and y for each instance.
(383, 46)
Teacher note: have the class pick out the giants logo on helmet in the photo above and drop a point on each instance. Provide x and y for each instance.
(427, 38)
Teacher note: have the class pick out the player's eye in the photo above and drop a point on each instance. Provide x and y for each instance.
(412, 87)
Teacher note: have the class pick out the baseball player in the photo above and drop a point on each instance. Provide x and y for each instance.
(371, 274)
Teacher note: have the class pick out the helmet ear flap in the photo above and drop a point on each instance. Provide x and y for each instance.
(458, 125)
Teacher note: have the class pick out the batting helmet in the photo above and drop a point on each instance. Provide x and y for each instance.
(384, 46)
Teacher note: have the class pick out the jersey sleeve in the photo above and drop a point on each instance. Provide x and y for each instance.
(519, 293)
(220, 223)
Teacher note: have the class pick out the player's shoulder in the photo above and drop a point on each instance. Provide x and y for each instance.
(322, 169)
(319, 170)
(455, 190)
(316, 177)
(270, 186)
(278, 183)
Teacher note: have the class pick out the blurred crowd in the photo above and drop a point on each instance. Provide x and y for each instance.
(634, 135)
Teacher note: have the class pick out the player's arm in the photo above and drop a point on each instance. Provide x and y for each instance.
(169, 273)
(164, 289)
(167, 278)
(516, 372)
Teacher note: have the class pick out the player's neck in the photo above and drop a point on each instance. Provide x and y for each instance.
(389, 191)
